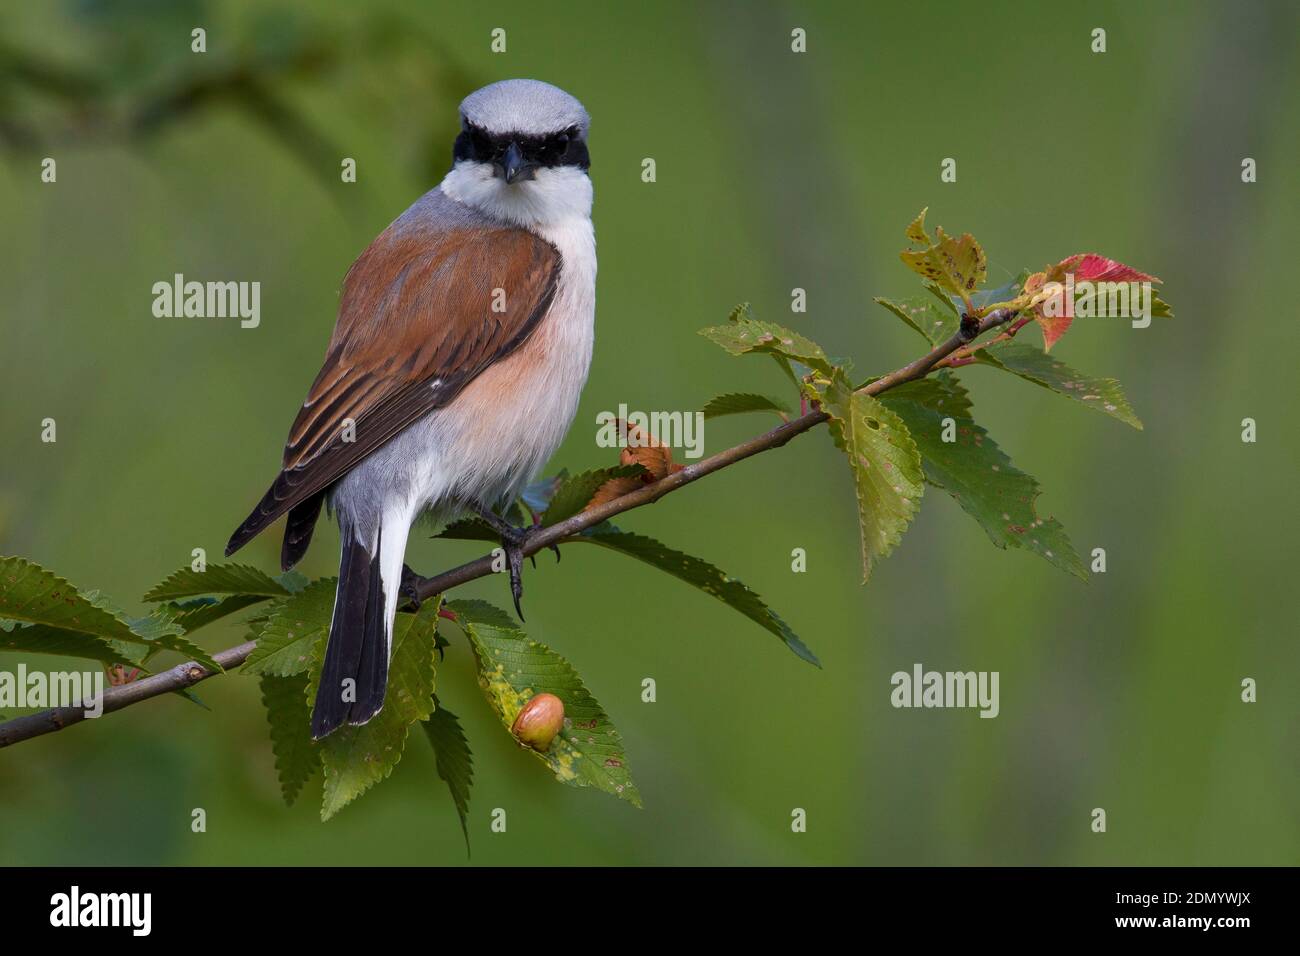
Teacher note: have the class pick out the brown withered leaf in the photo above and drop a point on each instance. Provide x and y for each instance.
(644, 449)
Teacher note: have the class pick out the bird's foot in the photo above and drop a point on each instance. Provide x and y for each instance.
(514, 542)
(409, 587)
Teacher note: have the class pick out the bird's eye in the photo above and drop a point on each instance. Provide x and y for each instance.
(571, 132)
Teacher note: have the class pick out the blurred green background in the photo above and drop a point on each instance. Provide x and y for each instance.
(775, 171)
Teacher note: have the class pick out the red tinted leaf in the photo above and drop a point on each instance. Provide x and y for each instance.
(1085, 267)
(1097, 268)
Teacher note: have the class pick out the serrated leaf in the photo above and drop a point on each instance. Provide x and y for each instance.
(744, 334)
(199, 612)
(512, 669)
(1101, 277)
(217, 579)
(454, 761)
(356, 758)
(43, 639)
(925, 315)
(291, 631)
(158, 631)
(482, 612)
(574, 492)
(737, 403)
(1033, 364)
(699, 573)
(888, 480)
(297, 756)
(30, 593)
(469, 529)
(956, 264)
(976, 473)
(915, 231)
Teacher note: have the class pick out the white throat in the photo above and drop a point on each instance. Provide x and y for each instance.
(553, 197)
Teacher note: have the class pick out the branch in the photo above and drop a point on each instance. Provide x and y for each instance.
(188, 674)
(180, 677)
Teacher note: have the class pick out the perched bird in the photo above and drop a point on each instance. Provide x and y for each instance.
(462, 343)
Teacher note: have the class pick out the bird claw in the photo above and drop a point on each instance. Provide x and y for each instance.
(515, 563)
(409, 587)
(513, 542)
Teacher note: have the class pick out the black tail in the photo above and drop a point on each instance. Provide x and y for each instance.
(354, 675)
(298, 529)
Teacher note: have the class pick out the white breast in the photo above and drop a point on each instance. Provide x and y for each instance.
(501, 430)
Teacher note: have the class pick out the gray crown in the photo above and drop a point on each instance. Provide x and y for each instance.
(524, 106)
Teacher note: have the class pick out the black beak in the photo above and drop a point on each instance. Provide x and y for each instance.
(514, 167)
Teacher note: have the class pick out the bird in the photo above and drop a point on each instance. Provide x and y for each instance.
(462, 344)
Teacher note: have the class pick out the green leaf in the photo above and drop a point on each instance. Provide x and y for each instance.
(292, 581)
(925, 315)
(744, 334)
(736, 403)
(217, 579)
(356, 758)
(512, 669)
(292, 630)
(469, 529)
(573, 493)
(297, 756)
(983, 298)
(483, 613)
(887, 476)
(453, 758)
(158, 631)
(957, 265)
(32, 594)
(699, 573)
(199, 612)
(1033, 364)
(43, 639)
(978, 475)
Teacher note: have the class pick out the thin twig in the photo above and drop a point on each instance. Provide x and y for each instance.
(188, 674)
(180, 677)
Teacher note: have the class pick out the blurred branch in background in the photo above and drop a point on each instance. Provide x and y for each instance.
(128, 94)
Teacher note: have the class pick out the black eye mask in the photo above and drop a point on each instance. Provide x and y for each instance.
(564, 148)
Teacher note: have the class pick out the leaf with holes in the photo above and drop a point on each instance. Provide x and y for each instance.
(978, 475)
(512, 669)
(956, 265)
(887, 477)
(454, 761)
(744, 334)
(700, 574)
(297, 756)
(356, 758)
